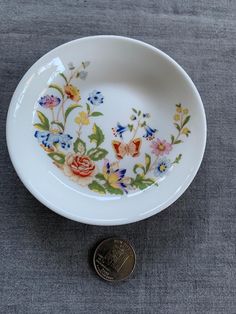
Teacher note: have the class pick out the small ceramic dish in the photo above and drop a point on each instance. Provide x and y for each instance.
(106, 130)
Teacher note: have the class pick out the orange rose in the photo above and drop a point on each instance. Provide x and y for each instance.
(72, 92)
(80, 168)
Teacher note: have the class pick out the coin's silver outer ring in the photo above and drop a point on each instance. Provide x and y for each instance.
(94, 259)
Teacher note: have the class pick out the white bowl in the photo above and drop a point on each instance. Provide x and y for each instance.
(106, 130)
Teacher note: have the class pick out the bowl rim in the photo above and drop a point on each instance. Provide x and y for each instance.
(96, 221)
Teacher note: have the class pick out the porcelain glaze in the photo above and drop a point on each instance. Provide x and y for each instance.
(106, 130)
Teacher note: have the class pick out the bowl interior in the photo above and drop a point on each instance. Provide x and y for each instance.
(106, 130)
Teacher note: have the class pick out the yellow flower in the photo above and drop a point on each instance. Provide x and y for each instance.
(112, 174)
(179, 109)
(82, 118)
(72, 92)
(185, 131)
(185, 111)
(176, 117)
(113, 180)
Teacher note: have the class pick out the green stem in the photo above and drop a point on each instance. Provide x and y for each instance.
(79, 131)
(181, 127)
(153, 164)
(62, 109)
(53, 115)
(63, 114)
(73, 72)
(136, 129)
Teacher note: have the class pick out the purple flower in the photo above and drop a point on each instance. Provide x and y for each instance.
(49, 101)
(114, 176)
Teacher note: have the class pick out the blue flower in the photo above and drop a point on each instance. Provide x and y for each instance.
(162, 167)
(83, 75)
(47, 139)
(149, 135)
(119, 130)
(95, 98)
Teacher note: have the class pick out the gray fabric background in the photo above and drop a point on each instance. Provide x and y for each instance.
(186, 254)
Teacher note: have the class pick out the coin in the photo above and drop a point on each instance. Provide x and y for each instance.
(114, 259)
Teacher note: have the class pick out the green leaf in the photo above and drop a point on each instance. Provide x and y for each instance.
(40, 126)
(97, 153)
(177, 142)
(134, 110)
(70, 108)
(139, 166)
(112, 190)
(59, 124)
(177, 126)
(139, 113)
(58, 88)
(186, 120)
(130, 126)
(77, 74)
(172, 139)
(43, 119)
(143, 124)
(79, 146)
(96, 114)
(147, 162)
(96, 187)
(142, 183)
(148, 181)
(64, 77)
(100, 176)
(97, 136)
(177, 159)
(88, 108)
(58, 157)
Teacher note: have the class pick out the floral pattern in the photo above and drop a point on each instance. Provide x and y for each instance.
(83, 158)
(49, 101)
(95, 98)
(80, 168)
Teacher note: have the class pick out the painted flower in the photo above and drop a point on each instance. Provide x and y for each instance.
(49, 101)
(160, 147)
(48, 139)
(114, 176)
(179, 109)
(119, 130)
(146, 115)
(85, 64)
(95, 98)
(162, 167)
(186, 131)
(133, 117)
(83, 75)
(185, 111)
(176, 117)
(72, 92)
(71, 66)
(149, 135)
(80, 169)
(82, 118)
